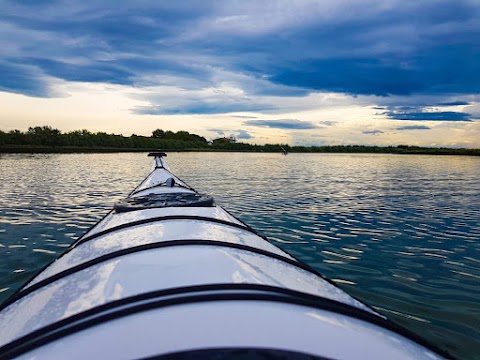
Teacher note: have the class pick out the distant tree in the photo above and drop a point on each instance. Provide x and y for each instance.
(3, 137)
(194, 137)
(169, 135)
(182, 135)
(17, 137)
(44, 135)
(158, 134)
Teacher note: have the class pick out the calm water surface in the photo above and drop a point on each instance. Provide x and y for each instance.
(402, 233)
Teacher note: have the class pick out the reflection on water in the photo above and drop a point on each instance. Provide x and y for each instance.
(399, 232)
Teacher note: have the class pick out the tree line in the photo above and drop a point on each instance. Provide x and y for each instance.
(46, 138)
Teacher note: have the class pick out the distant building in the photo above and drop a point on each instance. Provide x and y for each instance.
(230, 139)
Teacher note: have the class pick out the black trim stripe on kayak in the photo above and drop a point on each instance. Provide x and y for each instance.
(231, 292)
(246, 225)
(225, 353)
(28, 290)
(158, 159)
(163, 184)
(151, 172)
(134, 191)
(166, 218)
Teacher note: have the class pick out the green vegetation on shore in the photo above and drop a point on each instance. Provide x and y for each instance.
(46, 140)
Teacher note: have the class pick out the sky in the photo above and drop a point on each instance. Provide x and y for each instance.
(367, 72)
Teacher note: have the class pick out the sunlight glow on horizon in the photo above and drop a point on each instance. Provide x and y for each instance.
(302, 73)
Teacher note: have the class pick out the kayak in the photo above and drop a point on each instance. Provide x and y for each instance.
(169, 274)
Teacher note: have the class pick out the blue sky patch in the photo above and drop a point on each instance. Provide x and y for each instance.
(430, 116)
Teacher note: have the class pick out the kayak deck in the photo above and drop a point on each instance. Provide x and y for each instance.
(169, 271)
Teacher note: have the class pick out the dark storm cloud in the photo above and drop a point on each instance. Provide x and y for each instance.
(454, 103)
(343, 46)
(98, 72)
(22, 79)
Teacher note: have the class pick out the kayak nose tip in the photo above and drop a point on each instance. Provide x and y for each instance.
(157, 154)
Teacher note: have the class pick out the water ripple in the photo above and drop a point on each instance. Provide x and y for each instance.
(398, 232)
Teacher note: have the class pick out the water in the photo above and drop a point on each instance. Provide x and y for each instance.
(402, 233)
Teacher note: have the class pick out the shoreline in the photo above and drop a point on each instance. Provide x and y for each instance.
(352, 149)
